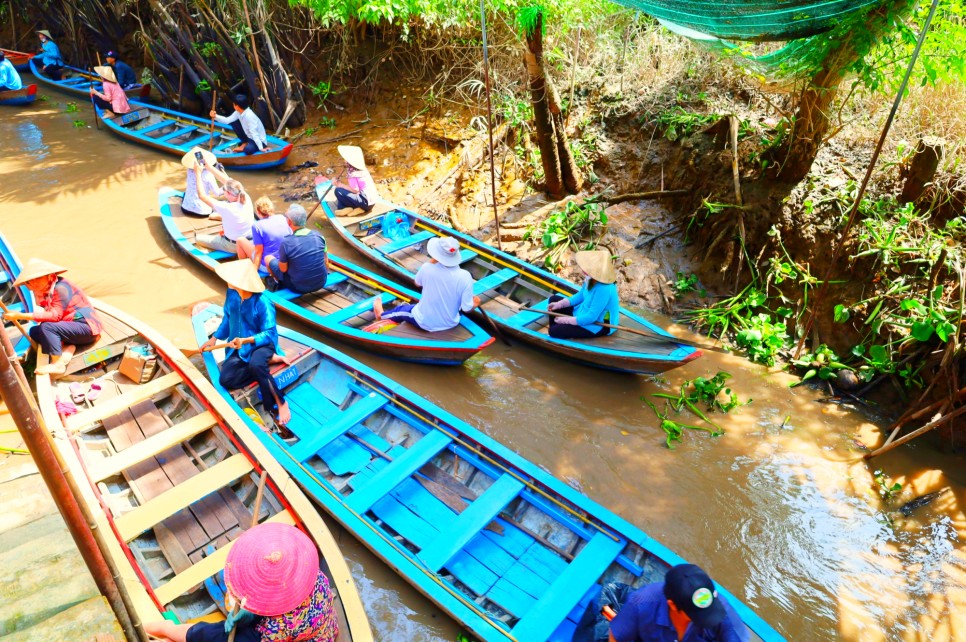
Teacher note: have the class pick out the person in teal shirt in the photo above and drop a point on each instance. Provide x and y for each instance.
(596, 302)
(49, 58)
(9, 78)
(248, 325)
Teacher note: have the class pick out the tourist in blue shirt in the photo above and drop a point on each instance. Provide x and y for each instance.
(596, 302)
(685, 607)
(9, 78)
(302, 264)
(249, 328)
(126, 77)
(49, 57)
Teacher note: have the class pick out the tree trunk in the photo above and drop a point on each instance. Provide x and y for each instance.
(560, 171)
(921, 169)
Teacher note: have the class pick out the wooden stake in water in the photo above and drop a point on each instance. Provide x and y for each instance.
(489, 125)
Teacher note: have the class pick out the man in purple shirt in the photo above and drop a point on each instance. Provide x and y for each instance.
(685, 607)
(267, 233)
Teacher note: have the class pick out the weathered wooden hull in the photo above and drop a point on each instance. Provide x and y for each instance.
(345, 306)
(16, 299)
(20, 60)
(170, 473)
(78, 82)
(508, 285)
(23, 96)
(501, 545)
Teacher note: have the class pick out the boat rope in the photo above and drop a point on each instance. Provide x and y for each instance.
(426, 571)
(455, 437)
(500, 262)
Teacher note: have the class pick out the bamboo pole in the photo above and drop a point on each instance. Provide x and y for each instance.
(916, 433)
(211, 132)
(489, 125)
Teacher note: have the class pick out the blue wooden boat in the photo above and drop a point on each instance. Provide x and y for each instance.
(19, 59)
(501, 545)
(344, 307)
(78, 82)
(17, 97)
(16, 299)
(506, 285)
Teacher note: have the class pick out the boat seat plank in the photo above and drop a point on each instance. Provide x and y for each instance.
(402, 520)
(512, 598)
(468, 570)
(563, 595)
(526, 317)
(152, 446)
(156, 126)
(199, 140)
(4, 276)
(337, 425)
(471, 521)
(393, 474)
(421, 501)
(207, 567)
(285, 293)
(494, 280)
(132, 524)
(361, 307)
(408, 241)
(227, 144)
(335, 278)
(176, 133)
(116, 404)
(467, 254)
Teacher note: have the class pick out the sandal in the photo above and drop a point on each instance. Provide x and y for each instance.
(94, 392)
(78, 393)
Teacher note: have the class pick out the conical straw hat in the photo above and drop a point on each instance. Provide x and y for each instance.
(597, 265)
(106, 73)
(46, 33)
(188, 160)
(241, 275)
(272, 568)
(353, 155)
(37, 268)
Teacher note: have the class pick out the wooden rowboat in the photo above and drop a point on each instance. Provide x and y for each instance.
(171, 475)
(78, 82)
(175, 133)
(501, 545)
(506, 285)
(20, 60)
(344, 307)
(16, 299)
(22, 96)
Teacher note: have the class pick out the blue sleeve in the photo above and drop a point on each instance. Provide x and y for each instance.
(223, 331)
(595, 306)
(732, 629)
(267, 334)
(624, 626)
(575, 299)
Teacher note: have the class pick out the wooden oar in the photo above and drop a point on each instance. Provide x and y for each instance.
(211, 132)
(322, 198)
(23, 331)
(643, 333)
(493, 326)
(190, 352)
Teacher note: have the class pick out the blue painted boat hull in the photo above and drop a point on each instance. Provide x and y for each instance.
(501, 545)
(17, 299)
(78, 83)
(17, 97)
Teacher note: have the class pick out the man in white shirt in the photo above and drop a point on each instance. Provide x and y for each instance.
(246, 125)
(447, 289)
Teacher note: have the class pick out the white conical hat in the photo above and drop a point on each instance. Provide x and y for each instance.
(188, 160)
(106, 72)
(241, 275)
(598, 265)
(353, 155)
(37, 268)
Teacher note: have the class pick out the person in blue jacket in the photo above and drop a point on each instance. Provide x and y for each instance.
(9, 78)
(49, 57)
(126, 77)
(249, 328)
(595, 303)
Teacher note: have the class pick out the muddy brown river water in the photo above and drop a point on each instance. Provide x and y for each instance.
(783, 512)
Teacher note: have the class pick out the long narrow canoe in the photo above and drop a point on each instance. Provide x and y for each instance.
(16, 299)
(170, 473)
(78, 82)
(22, 96)
(344, 307)
(500, 544)
(20, 60)
(506, 285)
(175, 133)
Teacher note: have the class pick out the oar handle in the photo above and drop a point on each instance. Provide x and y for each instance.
(653, 335)
(23, 330)
(211, 132)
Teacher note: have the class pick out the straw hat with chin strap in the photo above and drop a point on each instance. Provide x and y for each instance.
(37, 268)
(241, 275)
(44, 32)
(105, 72)
(598, 265)
(353, 155)
(188, 160)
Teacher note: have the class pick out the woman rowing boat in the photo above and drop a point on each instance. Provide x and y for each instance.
(596, 302)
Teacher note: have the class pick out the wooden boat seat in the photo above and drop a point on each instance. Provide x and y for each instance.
(200, 140)
(131, 117)
(155, 127)
(358, 308)
(4, 277)
(467, 254)
(152, 446)
(114, 405)
(226, 145)
(156, 510)
(526, 317)
(207, 567)
(568, 588)
(409, 241)
(471, 521)
(337, 425)
(494, 280)
(176, 133)
(401, 468)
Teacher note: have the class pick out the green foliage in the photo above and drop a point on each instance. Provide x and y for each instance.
(327, 122)
(202, 86)
(80, 123)
(321, 90)
(712, 392)
(886, 487)
(677, 122)
(674, 429)
(527, 18)
(72, 107)
(823, 363)
(685, 283)
(209, 50)
(574, 227)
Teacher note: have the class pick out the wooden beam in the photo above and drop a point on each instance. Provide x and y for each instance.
(116, 404)
(155, 511)
(916, 433)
